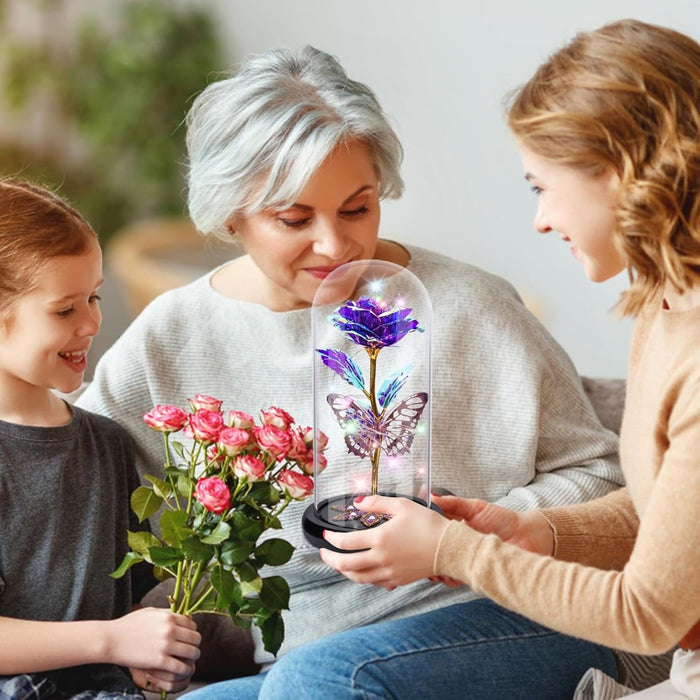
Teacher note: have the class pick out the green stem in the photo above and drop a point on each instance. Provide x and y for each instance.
(200, 599)
(193, 583)
(239, 486)
(178, 586)
(168, 463)
(272, 516)
(194, 456)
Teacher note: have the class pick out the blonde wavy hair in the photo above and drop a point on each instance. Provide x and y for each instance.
(627, 97)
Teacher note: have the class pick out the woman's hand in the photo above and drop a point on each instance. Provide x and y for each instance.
(527, 530)
(399, 551)
(159, 646)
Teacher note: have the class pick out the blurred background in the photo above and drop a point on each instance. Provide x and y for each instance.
(93, 94)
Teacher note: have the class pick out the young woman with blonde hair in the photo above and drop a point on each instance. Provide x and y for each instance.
(609, 133)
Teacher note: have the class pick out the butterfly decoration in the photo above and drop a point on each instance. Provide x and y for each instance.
(393, 433)
(351, 512)
(373, 422)
(375, 419)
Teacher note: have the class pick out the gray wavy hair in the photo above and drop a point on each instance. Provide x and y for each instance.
(255, 140)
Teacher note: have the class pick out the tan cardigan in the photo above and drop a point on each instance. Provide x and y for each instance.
(626, 568)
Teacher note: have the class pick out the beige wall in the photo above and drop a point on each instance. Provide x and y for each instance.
(441, 69)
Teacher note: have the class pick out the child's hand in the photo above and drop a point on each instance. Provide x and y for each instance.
(157, 640)
(157, 681)
(399, 551)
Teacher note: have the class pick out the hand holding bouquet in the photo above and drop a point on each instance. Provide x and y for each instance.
(219, 493)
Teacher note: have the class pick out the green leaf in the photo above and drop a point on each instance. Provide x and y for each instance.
(239, 620)
(235, 553)
(275, 524)
(130, 558)
(251, 583)
(272, 633)
(196, 550)
(145, 503)
(184, 485)
(142, 541)
(199, 519)
(246, 528)
(173, 527)
(166, 556)
(274, 552)
(237, 600)
(161, 574)
(275, 593)
(226, 585)
(252, 606)
(178, 449)
(160, 487)
(263, 493)
(219, 534)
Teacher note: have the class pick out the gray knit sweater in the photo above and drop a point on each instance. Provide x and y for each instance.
(510, 421)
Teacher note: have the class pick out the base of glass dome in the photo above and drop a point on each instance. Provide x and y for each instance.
(340, 515)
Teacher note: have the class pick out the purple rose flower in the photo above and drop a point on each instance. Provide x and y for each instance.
(368, 323)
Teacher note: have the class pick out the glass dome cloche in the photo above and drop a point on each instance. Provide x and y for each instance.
(371, 324)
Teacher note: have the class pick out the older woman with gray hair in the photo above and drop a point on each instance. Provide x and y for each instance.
(291, 159)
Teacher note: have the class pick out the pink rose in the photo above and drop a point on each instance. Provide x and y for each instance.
(213, 494)
(277, 417)
(321, 442)
(201, 402)
(233, 440)
(299, 451)
(274, 440)
(239, 419)
(297, 485)
(307, 465)
(306, 434)
(166, 419)
(206, 425)
(302, 451)
(249, 467)
(214, 456)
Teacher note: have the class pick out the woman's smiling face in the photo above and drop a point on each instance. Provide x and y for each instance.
(335, 220)
(581, 208)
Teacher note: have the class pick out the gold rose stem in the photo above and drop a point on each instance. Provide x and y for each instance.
(373, 353)
(375, 470)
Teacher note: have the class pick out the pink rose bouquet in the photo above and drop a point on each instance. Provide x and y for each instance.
(221, 490)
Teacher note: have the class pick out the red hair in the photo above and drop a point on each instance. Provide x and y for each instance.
(35, 226)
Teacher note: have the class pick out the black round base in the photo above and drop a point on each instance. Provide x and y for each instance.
(313, 525)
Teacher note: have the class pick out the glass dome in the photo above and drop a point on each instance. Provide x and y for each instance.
(371, 323)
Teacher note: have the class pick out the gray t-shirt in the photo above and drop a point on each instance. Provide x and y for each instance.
(63, 528)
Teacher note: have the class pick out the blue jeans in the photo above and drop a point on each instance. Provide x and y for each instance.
(470, 650)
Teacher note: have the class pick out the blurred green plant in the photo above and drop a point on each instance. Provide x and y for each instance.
(119, 88)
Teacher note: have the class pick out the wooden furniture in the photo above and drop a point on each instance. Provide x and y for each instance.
(150, 257)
